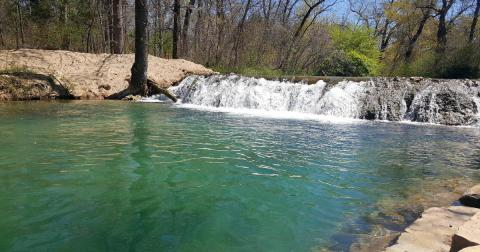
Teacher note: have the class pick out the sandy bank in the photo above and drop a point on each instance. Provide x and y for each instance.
(89, 76)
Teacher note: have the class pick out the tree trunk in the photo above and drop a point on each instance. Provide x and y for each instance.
(66, 33)
(220, 22)
(175, 31)
(442, 26)
(385, 36)
(413, 40)
(2, 41)
(110, 26)
(198, 26)
(473, 27)
(186, 24)
(239, 32)
(160, 26)
(442, 33)
(138, 82)
(106, 26)
(298, 32)
(20, 23)
(117, 20)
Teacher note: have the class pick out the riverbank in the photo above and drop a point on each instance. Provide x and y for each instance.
(29, 74)
(451, 228)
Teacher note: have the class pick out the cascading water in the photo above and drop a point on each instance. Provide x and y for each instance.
(451, 102)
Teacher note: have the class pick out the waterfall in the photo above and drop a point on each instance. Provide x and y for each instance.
(280, 96)
(451, 102)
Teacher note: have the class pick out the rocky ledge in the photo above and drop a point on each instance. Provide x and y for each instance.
(454, 228)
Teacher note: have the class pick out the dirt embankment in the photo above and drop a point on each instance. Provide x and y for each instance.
(38, 74)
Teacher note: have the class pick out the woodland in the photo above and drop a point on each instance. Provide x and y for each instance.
(431, 38)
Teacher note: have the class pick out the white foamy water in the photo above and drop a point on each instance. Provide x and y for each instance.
(272, 114)
(275, 98)
(450, 102)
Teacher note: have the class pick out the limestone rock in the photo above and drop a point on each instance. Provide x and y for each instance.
(471, 249)
(450, 104)
(471, 197)
(473, 190)
(467, 235)
(132, 98)
(434, 230)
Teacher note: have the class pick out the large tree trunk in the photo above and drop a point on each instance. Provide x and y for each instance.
(442, 33)
(175, 30)
(117, 19)
(442, 25)
(473, 27)
(138, 82)
(385, 36)
(186, 24)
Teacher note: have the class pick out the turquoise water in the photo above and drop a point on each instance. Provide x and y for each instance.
(116, 176)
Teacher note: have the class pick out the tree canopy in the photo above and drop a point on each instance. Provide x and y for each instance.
(371, 37)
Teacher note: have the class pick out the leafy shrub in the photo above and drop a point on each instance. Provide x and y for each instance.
(356, 53)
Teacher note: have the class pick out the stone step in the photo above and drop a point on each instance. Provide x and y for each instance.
(434, 230)
(468, 234)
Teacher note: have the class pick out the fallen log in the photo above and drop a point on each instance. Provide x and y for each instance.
(154, 88)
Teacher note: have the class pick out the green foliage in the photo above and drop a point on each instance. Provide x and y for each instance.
(421, 66)
(463, 62)
(356, 54)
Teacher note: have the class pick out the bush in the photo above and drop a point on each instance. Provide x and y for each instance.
(463, 62)
(356, 53)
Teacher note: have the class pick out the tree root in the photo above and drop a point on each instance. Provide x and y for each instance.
(152, 89)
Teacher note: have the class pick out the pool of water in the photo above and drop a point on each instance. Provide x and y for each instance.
(116, 176)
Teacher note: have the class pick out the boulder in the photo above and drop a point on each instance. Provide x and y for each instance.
(471, 200)
(467, 235)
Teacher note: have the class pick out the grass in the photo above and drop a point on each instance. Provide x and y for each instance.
(16, 71)
(249, 71)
